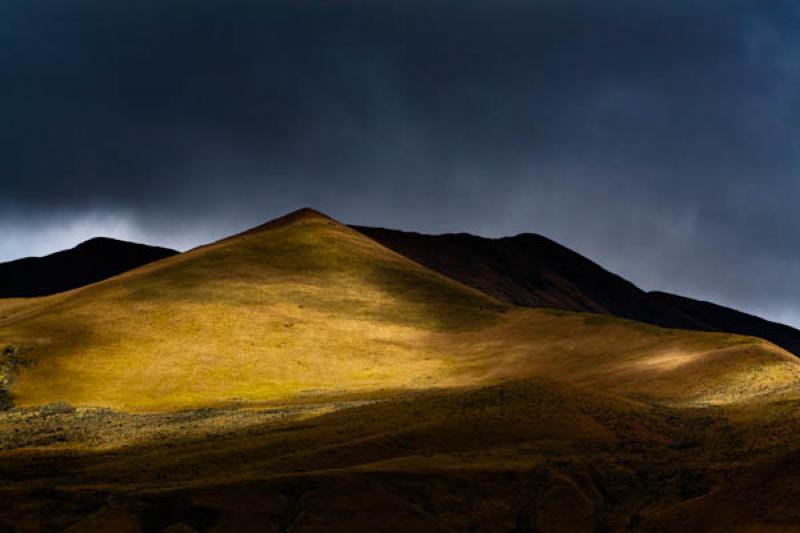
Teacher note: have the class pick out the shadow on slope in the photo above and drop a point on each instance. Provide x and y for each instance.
(300, 305)
(521, 456)
(305, 306)
(533, 271)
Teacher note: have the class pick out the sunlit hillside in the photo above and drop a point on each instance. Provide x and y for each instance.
(306, 307)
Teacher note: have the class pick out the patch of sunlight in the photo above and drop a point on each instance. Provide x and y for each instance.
(667, 361)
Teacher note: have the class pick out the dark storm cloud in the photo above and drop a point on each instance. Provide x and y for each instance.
(660, 138)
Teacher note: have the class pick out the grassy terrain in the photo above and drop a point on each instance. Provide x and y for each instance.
(534, 455)
(305, 305)
(301, 377)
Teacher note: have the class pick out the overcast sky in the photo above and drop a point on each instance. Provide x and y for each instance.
(658, 138)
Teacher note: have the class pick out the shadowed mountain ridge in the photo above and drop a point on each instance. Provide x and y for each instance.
(533, 271)
(89, 262)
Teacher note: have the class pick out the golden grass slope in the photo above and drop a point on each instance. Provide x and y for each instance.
(305, 306)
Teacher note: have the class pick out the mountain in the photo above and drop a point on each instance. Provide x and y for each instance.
(533, 271)
(299, 305)
(301, 376)
(306, 306)
(89, 262)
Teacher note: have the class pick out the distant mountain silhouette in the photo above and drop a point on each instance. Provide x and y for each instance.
(534, 271)
(89, 262)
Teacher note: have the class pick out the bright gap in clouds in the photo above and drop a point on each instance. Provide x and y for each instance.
(44, 236)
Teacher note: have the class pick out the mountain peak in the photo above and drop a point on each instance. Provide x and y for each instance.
(303, 215)
(97, 241)
(307, 212)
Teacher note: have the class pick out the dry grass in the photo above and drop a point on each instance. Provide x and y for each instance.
(302, 307)
(354, 390)
(627, 358)
(546, 455)
(308, 306)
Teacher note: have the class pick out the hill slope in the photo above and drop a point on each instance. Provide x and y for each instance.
(712, 317)
(528, 455)
(89, 262)
(305, 306)
(533, 271)
(302, 377)
(298, 305)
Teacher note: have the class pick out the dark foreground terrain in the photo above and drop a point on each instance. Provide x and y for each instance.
(522, 456)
